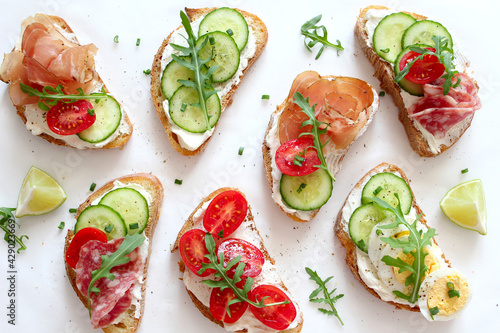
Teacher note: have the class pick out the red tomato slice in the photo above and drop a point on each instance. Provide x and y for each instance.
(285, 156)
(225, 213)
(70, 118)
(80, 239)
(192, 249)
(424, 70)
(250, 255)
(218, 304)
(277, 317)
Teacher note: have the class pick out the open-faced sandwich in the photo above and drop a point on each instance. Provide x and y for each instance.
(198, 68)
(107, 253)
(420, 66)
(308, 136)
(391, 250)
(56, 90)
(228, 272)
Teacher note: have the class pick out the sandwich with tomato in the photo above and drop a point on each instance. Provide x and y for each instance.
(308, 136)
(227, 271)
(420, 66)
(107, 253)
(57, 91)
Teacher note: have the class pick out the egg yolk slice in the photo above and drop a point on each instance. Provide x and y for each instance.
(439, 296)
(431, 262)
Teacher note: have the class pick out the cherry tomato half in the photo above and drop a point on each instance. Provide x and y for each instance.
(70, 118)
(80, 239)
(293, 150)
(277, 317)
(218, 304)
(192, 249)
(250, 255)
(424, 70)
(225, 213)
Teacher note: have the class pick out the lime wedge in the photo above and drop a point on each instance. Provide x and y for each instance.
(40, 194)
(465, 206)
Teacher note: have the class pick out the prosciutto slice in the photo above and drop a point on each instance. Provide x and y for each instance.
(438, 113)
(115, 296)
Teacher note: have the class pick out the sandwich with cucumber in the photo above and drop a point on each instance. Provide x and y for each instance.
(391, 249)
(107, 253)
(57, 91)
(198, 68)
(227, 271)
(424, 70)
(308, 136)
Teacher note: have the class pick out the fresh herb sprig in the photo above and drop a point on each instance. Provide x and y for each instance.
(417, 240)
(202, 81)
(328, 299)
(310, 31)
(445, 55)
(7, 217)
(316, 132)
(50, 96)
(129, 244)
(225, 281)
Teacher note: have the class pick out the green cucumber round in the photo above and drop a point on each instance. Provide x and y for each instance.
(108, 117)
(132, 207)
(224, 52)
(421, 32)
(388, 33)
(171, 74)
(362, 221)
(226, 19)
(307, 192)
(104, 218)
(412, 88)
(385, 185)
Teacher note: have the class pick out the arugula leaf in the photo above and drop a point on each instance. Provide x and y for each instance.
(50, 96)
(328, 294)
(129, 244)
(201, 82)
(6, 217)
(310, 31)
(414, 245)
(316, 132)
(225, 281)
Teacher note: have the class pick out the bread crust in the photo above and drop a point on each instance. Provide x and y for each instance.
(193, 14)
(385, 74)
(119, 141)
(153, 186)
(346, 241)
(189, 224)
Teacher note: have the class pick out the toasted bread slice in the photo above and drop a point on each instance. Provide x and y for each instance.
(260, 34)
(190, 224)
(385, 73)
(341, 229)
(153, 186)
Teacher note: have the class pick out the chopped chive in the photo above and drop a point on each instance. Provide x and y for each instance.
(434, 311)
(377, 190)
(211, 40)
(297, 160)
(301, 187)
(178, 181)
(361, 243)
(147, 71)
(382, 93)
(465, 170)
(91, 112)
(265, 96)
(109, 228)
(230, 32)
(61, 225)
(72, 210)
(378, 232)
(453, 293)
(115, 39)
(138, 42)
(133, 226)
(385, 50)
(221, 233)
(240, 151)
(92, 187)
(183, 107)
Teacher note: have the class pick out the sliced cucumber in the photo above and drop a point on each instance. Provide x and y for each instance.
(307, 192)
(173, 72)
(108, 117)
(410, 87)
(192, 118)
(385, 185)
(421, 32)
(362, 221)
(225, 53)
(388, 33)
(103, 218)
(226, 19)
(131, 205)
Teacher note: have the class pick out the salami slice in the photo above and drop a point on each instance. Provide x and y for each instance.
(115, 297)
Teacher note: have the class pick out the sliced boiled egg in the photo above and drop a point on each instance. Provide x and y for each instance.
(376, 245)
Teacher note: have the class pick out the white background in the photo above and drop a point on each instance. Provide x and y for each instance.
(45, 300)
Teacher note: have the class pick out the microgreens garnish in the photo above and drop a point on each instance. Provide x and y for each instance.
(452, 292)
(225, 281)
(202, 77)
(329, 298)
(316, 132)
(414, 245)
(119, 257)
(50, 96)
(310, 31)
(6, 218)
(445, 55)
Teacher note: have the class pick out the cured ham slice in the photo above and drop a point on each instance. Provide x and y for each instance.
(115, 297)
